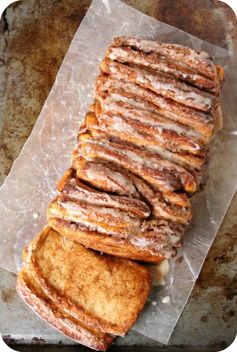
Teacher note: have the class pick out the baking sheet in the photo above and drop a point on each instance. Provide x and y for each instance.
(30, 185)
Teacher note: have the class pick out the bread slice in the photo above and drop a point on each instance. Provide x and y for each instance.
(100, 294)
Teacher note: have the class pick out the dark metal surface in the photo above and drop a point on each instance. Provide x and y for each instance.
(53, 348)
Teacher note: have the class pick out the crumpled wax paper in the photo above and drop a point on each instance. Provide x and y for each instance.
(45, 156)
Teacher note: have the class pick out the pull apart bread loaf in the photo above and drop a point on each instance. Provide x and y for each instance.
(139, 158)
(140, 150)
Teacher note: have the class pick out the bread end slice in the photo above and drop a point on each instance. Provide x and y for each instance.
(34, 297)
(100, 293)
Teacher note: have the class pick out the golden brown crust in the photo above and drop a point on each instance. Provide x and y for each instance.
(220, 74)
(63, 322)
(218, 120)
(68, 175)
(105, 293)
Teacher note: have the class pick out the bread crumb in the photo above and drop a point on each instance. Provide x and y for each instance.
(35, 216)
(166, 299)
(154, 303)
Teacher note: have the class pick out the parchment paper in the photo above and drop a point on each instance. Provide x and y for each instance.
(30, 185)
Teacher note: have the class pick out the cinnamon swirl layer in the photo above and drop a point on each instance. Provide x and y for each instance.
(75, 190)
(162, 84)
(100, 176)
(165, 175)
(158, 138)
(199, 61)
(103, 219)
(154, 203)
(149, 118)
(159, 237)
(104, 243)
(162, 205)
(109, 89)
(158, 63)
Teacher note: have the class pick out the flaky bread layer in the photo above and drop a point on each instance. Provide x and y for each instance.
(157, 63)
(197, 60)
(104, 243)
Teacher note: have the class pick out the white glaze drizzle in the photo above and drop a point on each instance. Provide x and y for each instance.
(110, 216)
(129, 110)
(166, 86)
(160, 63)
(199, 60)
(171, 110)
(131, 205)
(140, 162)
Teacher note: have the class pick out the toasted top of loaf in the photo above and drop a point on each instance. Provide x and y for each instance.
(106, 293)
